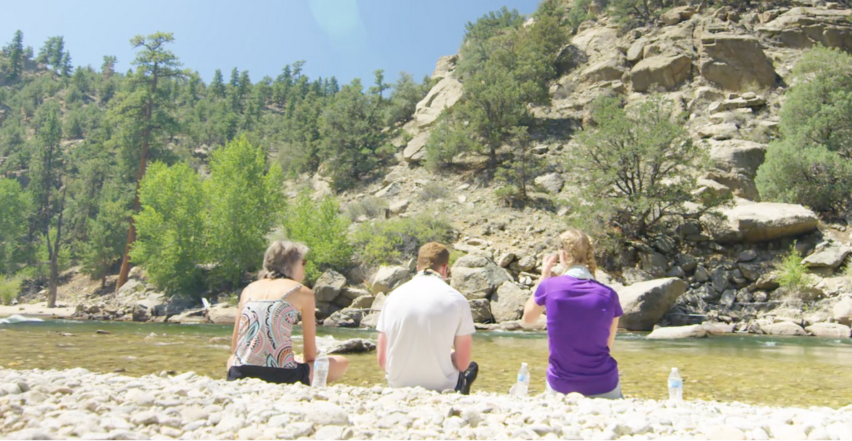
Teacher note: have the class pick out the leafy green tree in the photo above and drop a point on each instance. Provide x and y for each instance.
(353, 139)
(300, 150)
(171, 228)
(14, 206)
(447, 139)
(379, 86)
(519, 172)
(395, 241)
(404, 98)
(812, 162)
(633, 165)
(105, 236)
(154, 63)
(321, 227)
(244, 200)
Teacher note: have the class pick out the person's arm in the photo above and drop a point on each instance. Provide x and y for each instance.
(382, 351)
(236, 329)
(613, 329)
(532, 311)
(461, 355)
(309, 325)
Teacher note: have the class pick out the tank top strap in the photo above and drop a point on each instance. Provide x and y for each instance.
(292, 290)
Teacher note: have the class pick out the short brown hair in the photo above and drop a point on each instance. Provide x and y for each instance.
(432, 255)
(281, 258)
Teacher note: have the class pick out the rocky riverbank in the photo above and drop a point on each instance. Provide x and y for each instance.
(77, 403)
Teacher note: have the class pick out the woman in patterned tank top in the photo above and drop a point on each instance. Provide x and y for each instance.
(261, 346)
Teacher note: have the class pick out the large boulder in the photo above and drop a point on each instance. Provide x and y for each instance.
(827, 255)
(329, 285)
(806, 27)
(476, 277)
(415, 151)
(552, 182)
(480, 311)
(842, 311)
(783, 328)
(387, 278)
(645, 303)
(829, 330)
(445, 94)
(734, 61)
(678, 332)
(735, 165)
(609, 69)
(445, 66)
(223, 314)
(507, 303)
(667, 71)
(760, 221)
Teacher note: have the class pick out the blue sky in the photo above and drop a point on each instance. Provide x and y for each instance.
(345, 38)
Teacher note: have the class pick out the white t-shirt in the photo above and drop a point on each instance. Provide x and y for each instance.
(421, 320)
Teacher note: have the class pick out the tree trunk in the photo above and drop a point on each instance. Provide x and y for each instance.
(124, 273)
(54, 255)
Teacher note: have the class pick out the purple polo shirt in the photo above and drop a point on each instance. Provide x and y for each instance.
(579, 317)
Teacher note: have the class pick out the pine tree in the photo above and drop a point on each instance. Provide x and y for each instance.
(108, 67)
(15, 52)
(217, 86)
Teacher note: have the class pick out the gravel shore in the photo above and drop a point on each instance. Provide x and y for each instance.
(77, 403)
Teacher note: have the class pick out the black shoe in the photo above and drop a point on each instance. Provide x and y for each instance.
(468, 377)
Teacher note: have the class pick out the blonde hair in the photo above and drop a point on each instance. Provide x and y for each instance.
(579, 248)
(281, 258)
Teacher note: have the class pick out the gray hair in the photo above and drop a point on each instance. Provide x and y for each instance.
(281, 258)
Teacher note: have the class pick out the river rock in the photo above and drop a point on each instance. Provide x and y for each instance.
(760, 221)
(388, 278)
(329, 285)
(827, 255)
(507, 303)
(830, 330)
(480, 310)
(326, 414)
(363, 302)
(734, 61)
(476, 277)
(787, 432)
(222, 314)
(842, 311)
(677, 332)
(353, 346)
(644, 303)
(724, 433)
(783, 328)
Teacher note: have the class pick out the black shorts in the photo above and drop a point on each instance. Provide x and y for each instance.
(299, 374)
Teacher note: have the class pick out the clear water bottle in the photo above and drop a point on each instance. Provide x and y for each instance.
(675, 386)
(522, 387)
(320, 370)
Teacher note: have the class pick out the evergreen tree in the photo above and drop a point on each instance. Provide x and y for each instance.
(218, 84)
(15, 53)
(108, 67)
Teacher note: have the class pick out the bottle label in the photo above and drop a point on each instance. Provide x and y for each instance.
(675, 383)
(522, 378)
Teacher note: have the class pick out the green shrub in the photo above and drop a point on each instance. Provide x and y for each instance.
(370, 206)
(319, 225)
(397, 240)
(793, 275)
(578, 14)
(10, 286)
(432, 190)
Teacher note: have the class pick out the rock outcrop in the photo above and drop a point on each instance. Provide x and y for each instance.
(757, 222)
(387, 278)
(734, 61)
(666, 71)
(803, 28)
(507, 303)
(477, 277)
(445, 94)
(645, 303)
(735, 165)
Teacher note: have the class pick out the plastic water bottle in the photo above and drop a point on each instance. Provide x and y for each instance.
(320, 370)
(675, 386)
(522, 387)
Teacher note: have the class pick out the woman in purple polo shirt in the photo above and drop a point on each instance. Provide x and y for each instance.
(582, 319)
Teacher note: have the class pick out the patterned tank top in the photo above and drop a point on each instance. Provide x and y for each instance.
(263, 338)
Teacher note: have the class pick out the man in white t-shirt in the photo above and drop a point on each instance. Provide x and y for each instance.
(421, 323)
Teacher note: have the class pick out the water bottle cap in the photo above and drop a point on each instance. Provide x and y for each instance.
(523, 364)
(674, 369)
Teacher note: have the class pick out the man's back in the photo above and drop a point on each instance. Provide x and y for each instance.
(421, 320)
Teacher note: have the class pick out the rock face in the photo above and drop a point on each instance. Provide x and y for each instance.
(757, 222)
(445, 94)
(827, 255)
(552, 182)
(806, 27)
(476, 277)
(508, 302)
(415, 150)
(223, 314)
(735, 165)
(387, 278)
(842, 311)
(645, 303)
(609, 69)
(734, 61)
(329, 285)
(783, 328)
(829, 330)
(677, 332)
(668, 72)
(480, 311)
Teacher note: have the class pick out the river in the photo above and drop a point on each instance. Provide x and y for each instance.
(794, 371)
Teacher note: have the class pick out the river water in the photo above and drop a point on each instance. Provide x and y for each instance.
(794, 371)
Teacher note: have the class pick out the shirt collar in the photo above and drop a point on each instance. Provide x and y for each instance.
(430, 272)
